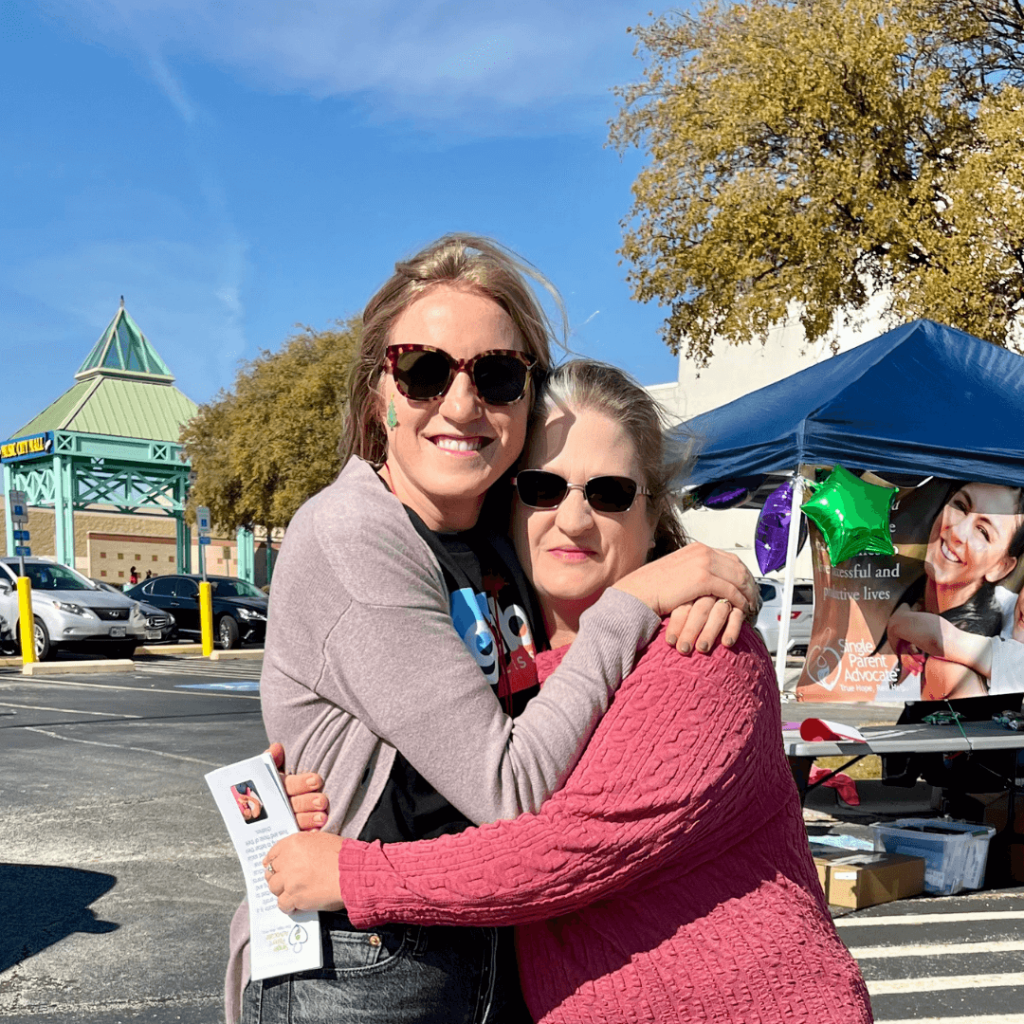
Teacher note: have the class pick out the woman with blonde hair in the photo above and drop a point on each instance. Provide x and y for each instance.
(406, 676)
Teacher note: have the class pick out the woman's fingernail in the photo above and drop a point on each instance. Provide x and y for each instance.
(313, 781)
(319, 819)
(728, 643)
(671, 640)
(702, 646)
(685, 648)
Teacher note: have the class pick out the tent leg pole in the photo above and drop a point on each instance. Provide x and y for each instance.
(792, 545)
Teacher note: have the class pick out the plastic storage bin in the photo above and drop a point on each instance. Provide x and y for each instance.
(954, 852)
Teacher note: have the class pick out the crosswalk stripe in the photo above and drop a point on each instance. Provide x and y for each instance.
(944, 983)
(986, 1018)
(973, 915)
(937, 949)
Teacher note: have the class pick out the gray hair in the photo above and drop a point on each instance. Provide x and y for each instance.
(586, 384)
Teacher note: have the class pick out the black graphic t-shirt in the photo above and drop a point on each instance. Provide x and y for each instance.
(494, 612)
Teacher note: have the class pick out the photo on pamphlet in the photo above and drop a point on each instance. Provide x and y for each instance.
(249, 802)
(940, 619)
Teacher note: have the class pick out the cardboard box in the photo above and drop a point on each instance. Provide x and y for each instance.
(1006, 859)
(995, 809)
(824, 857)
(866, 879)
(1016, 858)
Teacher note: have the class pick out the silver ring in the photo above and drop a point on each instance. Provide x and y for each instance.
(270, 868)
(724, 600)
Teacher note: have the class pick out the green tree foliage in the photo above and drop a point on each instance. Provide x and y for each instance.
(804, 156)
(260, 450)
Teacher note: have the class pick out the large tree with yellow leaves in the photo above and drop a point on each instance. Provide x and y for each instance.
(803, 156)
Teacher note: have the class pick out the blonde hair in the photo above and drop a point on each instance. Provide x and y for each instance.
(469, 261)
(584, 384)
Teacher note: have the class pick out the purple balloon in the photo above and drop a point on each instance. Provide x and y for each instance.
(771, 537)
(729, 493)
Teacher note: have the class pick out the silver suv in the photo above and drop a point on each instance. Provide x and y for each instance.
(71, 612)
(800, 620)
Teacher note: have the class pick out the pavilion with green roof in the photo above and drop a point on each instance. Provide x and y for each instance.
(111, 440)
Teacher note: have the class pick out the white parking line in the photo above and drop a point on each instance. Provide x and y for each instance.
(938, 949)
(38, 682)
(971, 915)
(945, 983)
(66, 711)
(121, 746)
(985, 1018)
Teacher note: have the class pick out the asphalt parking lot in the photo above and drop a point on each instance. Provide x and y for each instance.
(117, 881)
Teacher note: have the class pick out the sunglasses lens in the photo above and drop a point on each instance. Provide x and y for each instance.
(611, 493)
(540, 490)
(499, 380)
(422, 375)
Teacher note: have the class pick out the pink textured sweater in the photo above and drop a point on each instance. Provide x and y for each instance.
(670, 880)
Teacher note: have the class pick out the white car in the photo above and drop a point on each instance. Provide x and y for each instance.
(801, 618)
(70, 611)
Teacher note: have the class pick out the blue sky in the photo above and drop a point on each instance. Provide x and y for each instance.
(234, 169)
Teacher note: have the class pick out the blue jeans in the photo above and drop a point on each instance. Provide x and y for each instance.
(397, 974)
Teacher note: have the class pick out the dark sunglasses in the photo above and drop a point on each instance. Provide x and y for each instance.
(421, 373)
(539, 489)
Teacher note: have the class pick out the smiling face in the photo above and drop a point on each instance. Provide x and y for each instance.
(572, 553)
(970, 539)
(444, 453)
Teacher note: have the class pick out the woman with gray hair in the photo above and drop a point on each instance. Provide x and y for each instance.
(406, 677)
(670, 879)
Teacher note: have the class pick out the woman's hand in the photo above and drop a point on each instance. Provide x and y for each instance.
(698, 624)
(309, 804)
(708, 593)
(302, 872)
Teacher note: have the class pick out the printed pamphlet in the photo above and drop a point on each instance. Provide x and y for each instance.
(255, 808)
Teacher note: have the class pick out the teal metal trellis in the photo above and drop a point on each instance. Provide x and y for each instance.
(110, 443)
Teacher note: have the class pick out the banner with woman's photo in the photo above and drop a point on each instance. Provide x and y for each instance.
(943, 618)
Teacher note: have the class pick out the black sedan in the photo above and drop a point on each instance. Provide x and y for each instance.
(160, 626)
(239, 608)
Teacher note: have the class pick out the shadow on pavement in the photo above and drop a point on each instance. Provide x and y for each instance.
(42, 905)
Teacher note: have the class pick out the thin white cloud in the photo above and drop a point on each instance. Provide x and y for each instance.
(171, 87)
(482, 64)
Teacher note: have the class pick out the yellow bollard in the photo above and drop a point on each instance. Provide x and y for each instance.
(27, 620)
(206, 617)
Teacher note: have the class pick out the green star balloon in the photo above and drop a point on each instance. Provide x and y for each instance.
(852, 514)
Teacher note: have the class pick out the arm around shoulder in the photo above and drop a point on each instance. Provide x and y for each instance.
(696, 728)
(394, 660)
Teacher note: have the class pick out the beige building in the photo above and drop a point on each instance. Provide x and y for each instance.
(107, 545)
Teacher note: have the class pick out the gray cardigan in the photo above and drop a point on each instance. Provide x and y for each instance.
(362, 660)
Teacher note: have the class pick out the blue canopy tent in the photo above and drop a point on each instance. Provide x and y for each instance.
(921, 399)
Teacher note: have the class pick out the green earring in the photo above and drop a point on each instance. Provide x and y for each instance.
(392, 415)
